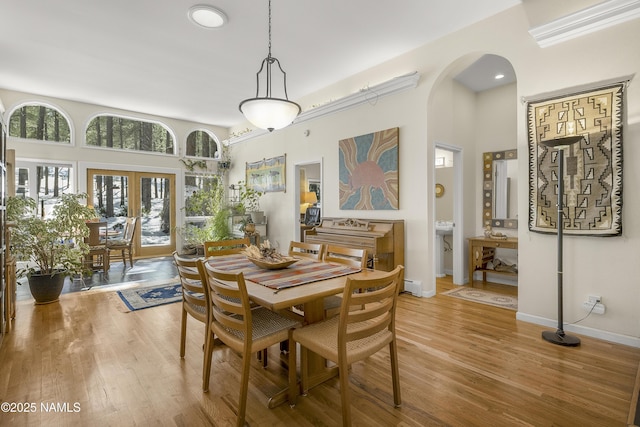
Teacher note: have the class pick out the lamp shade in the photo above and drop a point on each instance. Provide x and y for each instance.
(269, 113)
(310, 197)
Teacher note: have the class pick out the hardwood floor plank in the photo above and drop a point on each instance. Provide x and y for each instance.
(461, 364)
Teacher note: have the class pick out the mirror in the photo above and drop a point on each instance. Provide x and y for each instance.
(500, 189)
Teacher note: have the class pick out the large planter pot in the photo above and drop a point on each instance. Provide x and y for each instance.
(46, 288)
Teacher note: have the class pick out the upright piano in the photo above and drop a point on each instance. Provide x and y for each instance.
(383, 239)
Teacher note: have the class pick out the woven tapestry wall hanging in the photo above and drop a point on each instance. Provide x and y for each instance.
(593, 172)
(369, 171)
(267, 175)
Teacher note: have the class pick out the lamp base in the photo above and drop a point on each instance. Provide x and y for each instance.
(560, 338)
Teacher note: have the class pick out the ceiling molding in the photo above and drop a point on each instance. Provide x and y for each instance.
(370, 94)
(589, 20)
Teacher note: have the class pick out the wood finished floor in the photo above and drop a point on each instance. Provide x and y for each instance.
(461, 364)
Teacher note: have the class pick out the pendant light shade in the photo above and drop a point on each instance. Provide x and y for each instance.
(268, 112)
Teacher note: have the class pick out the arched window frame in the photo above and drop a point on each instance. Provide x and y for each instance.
(127, 150)
(218, 144)
(58, 109)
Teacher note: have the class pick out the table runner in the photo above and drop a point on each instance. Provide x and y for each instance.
(303, 271)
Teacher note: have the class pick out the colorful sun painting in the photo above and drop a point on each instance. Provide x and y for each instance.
(369, 171)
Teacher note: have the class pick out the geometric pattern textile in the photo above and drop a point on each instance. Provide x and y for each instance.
(302, 272)
(593, 166)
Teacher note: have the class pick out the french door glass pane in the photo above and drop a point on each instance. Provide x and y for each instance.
(111, 200)
(155, 203)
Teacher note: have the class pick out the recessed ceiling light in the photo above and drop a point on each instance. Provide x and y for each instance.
(207, 16)
(499, 76)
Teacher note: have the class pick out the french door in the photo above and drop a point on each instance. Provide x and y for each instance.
(150, 196)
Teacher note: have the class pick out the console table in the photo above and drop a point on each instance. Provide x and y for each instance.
(482, 250)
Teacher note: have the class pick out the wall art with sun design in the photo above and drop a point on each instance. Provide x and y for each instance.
(369, 171)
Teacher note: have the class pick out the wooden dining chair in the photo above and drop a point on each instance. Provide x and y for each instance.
(122, 248)
(195, 299)
(235, 323)
(306, 250)
(314, 251)
(355, 257)
(352, 336)
(225, 247)
(98, 250)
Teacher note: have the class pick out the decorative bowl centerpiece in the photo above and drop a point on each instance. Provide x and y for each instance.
(267, 257)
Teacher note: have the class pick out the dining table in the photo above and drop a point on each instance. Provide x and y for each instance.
(279, 290)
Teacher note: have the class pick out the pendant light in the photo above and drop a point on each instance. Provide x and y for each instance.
(267, 112)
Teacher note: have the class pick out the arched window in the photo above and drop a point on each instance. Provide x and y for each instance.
(40, 122)
(202, 143)
(129, 134)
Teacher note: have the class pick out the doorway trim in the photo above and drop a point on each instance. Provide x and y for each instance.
(458, 212)
(296, 199)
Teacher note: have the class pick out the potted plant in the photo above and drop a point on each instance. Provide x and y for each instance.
(250, 199)
(50, 248)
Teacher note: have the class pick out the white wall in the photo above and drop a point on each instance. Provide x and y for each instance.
(604, 266)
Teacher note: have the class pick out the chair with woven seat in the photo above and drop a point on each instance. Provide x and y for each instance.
(98, 250)
(122, 248)
(353, 335)
(195, 299)
(235, 323)
(225, 247)
(354, 257)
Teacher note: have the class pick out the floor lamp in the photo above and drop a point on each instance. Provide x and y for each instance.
(559, 337)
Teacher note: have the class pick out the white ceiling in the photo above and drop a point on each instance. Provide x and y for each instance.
(146, 55)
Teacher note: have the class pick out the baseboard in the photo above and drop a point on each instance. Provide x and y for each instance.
(582, 330)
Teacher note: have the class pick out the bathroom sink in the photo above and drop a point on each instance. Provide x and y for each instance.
(444, 227)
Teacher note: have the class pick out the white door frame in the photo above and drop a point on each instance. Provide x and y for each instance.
(458, 211)
(296, 199)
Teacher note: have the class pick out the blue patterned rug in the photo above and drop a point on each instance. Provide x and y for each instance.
(151, 296)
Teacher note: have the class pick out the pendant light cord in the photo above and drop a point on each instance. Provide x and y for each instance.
(269, 29)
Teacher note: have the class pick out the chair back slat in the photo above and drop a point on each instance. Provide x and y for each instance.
(193, 290)
(229, 299)
(355, 257)
(306, 250)
(225, 247)
(366, 314)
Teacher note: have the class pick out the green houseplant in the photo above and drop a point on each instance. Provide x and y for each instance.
(250, 200)
(50, 248)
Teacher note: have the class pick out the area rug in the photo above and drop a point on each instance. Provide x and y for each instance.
(484, 297)
(150, 296)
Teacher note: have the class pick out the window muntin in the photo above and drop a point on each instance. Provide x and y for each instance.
(201, 143)
(129, 134)
(40, 122)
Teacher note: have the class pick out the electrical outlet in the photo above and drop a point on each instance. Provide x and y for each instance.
(593, 299)
(598, 308)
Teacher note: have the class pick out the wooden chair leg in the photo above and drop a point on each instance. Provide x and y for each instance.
(183, 332)
(395, 374)
(293, 378)
(244, 389)
(343, 372)
(206, 366)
